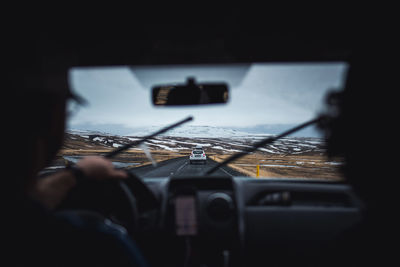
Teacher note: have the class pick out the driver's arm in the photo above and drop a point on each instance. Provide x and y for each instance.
(51, 190)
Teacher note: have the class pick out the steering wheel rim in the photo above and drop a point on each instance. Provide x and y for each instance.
(121, 200)
(132, 205)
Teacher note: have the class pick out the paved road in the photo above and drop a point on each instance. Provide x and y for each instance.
(181, 167)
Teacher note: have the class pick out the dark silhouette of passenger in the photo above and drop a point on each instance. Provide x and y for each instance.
(358, 131)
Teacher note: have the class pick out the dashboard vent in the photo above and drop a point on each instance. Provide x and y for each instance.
(299, 198)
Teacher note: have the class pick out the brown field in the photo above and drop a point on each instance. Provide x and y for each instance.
(277, 166)
(289, 166)
(307, 164)
(135, 156)
(83, 147)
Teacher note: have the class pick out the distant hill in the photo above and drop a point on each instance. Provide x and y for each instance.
(279, 128)
(198, 131)
(228, 132)
(212, 139)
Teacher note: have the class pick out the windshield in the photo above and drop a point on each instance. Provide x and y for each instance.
(197, 152)
(264, 100)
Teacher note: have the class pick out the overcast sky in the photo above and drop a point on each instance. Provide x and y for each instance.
(260, 94)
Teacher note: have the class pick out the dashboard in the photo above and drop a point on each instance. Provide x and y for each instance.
(245, 219)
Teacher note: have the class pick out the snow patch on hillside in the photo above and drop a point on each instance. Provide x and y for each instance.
(285, 146)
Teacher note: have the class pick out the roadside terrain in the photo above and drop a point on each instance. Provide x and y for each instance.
(296, 157)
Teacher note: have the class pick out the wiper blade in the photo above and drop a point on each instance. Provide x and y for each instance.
(262, 143)
(144, 139)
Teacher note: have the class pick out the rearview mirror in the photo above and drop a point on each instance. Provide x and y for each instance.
(190, 94)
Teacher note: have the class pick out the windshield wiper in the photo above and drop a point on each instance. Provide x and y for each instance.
(144, 139)
(262, 143)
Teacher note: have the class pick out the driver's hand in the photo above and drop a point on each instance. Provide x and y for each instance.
(99, 168)
(52, 189)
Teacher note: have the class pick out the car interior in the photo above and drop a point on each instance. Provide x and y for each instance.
(209, 219)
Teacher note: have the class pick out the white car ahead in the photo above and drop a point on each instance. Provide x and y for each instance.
(198, 155)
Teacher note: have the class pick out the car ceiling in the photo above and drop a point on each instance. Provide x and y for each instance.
(208, 35)
(199, 44)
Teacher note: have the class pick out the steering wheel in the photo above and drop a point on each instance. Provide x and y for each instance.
(128, 202)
